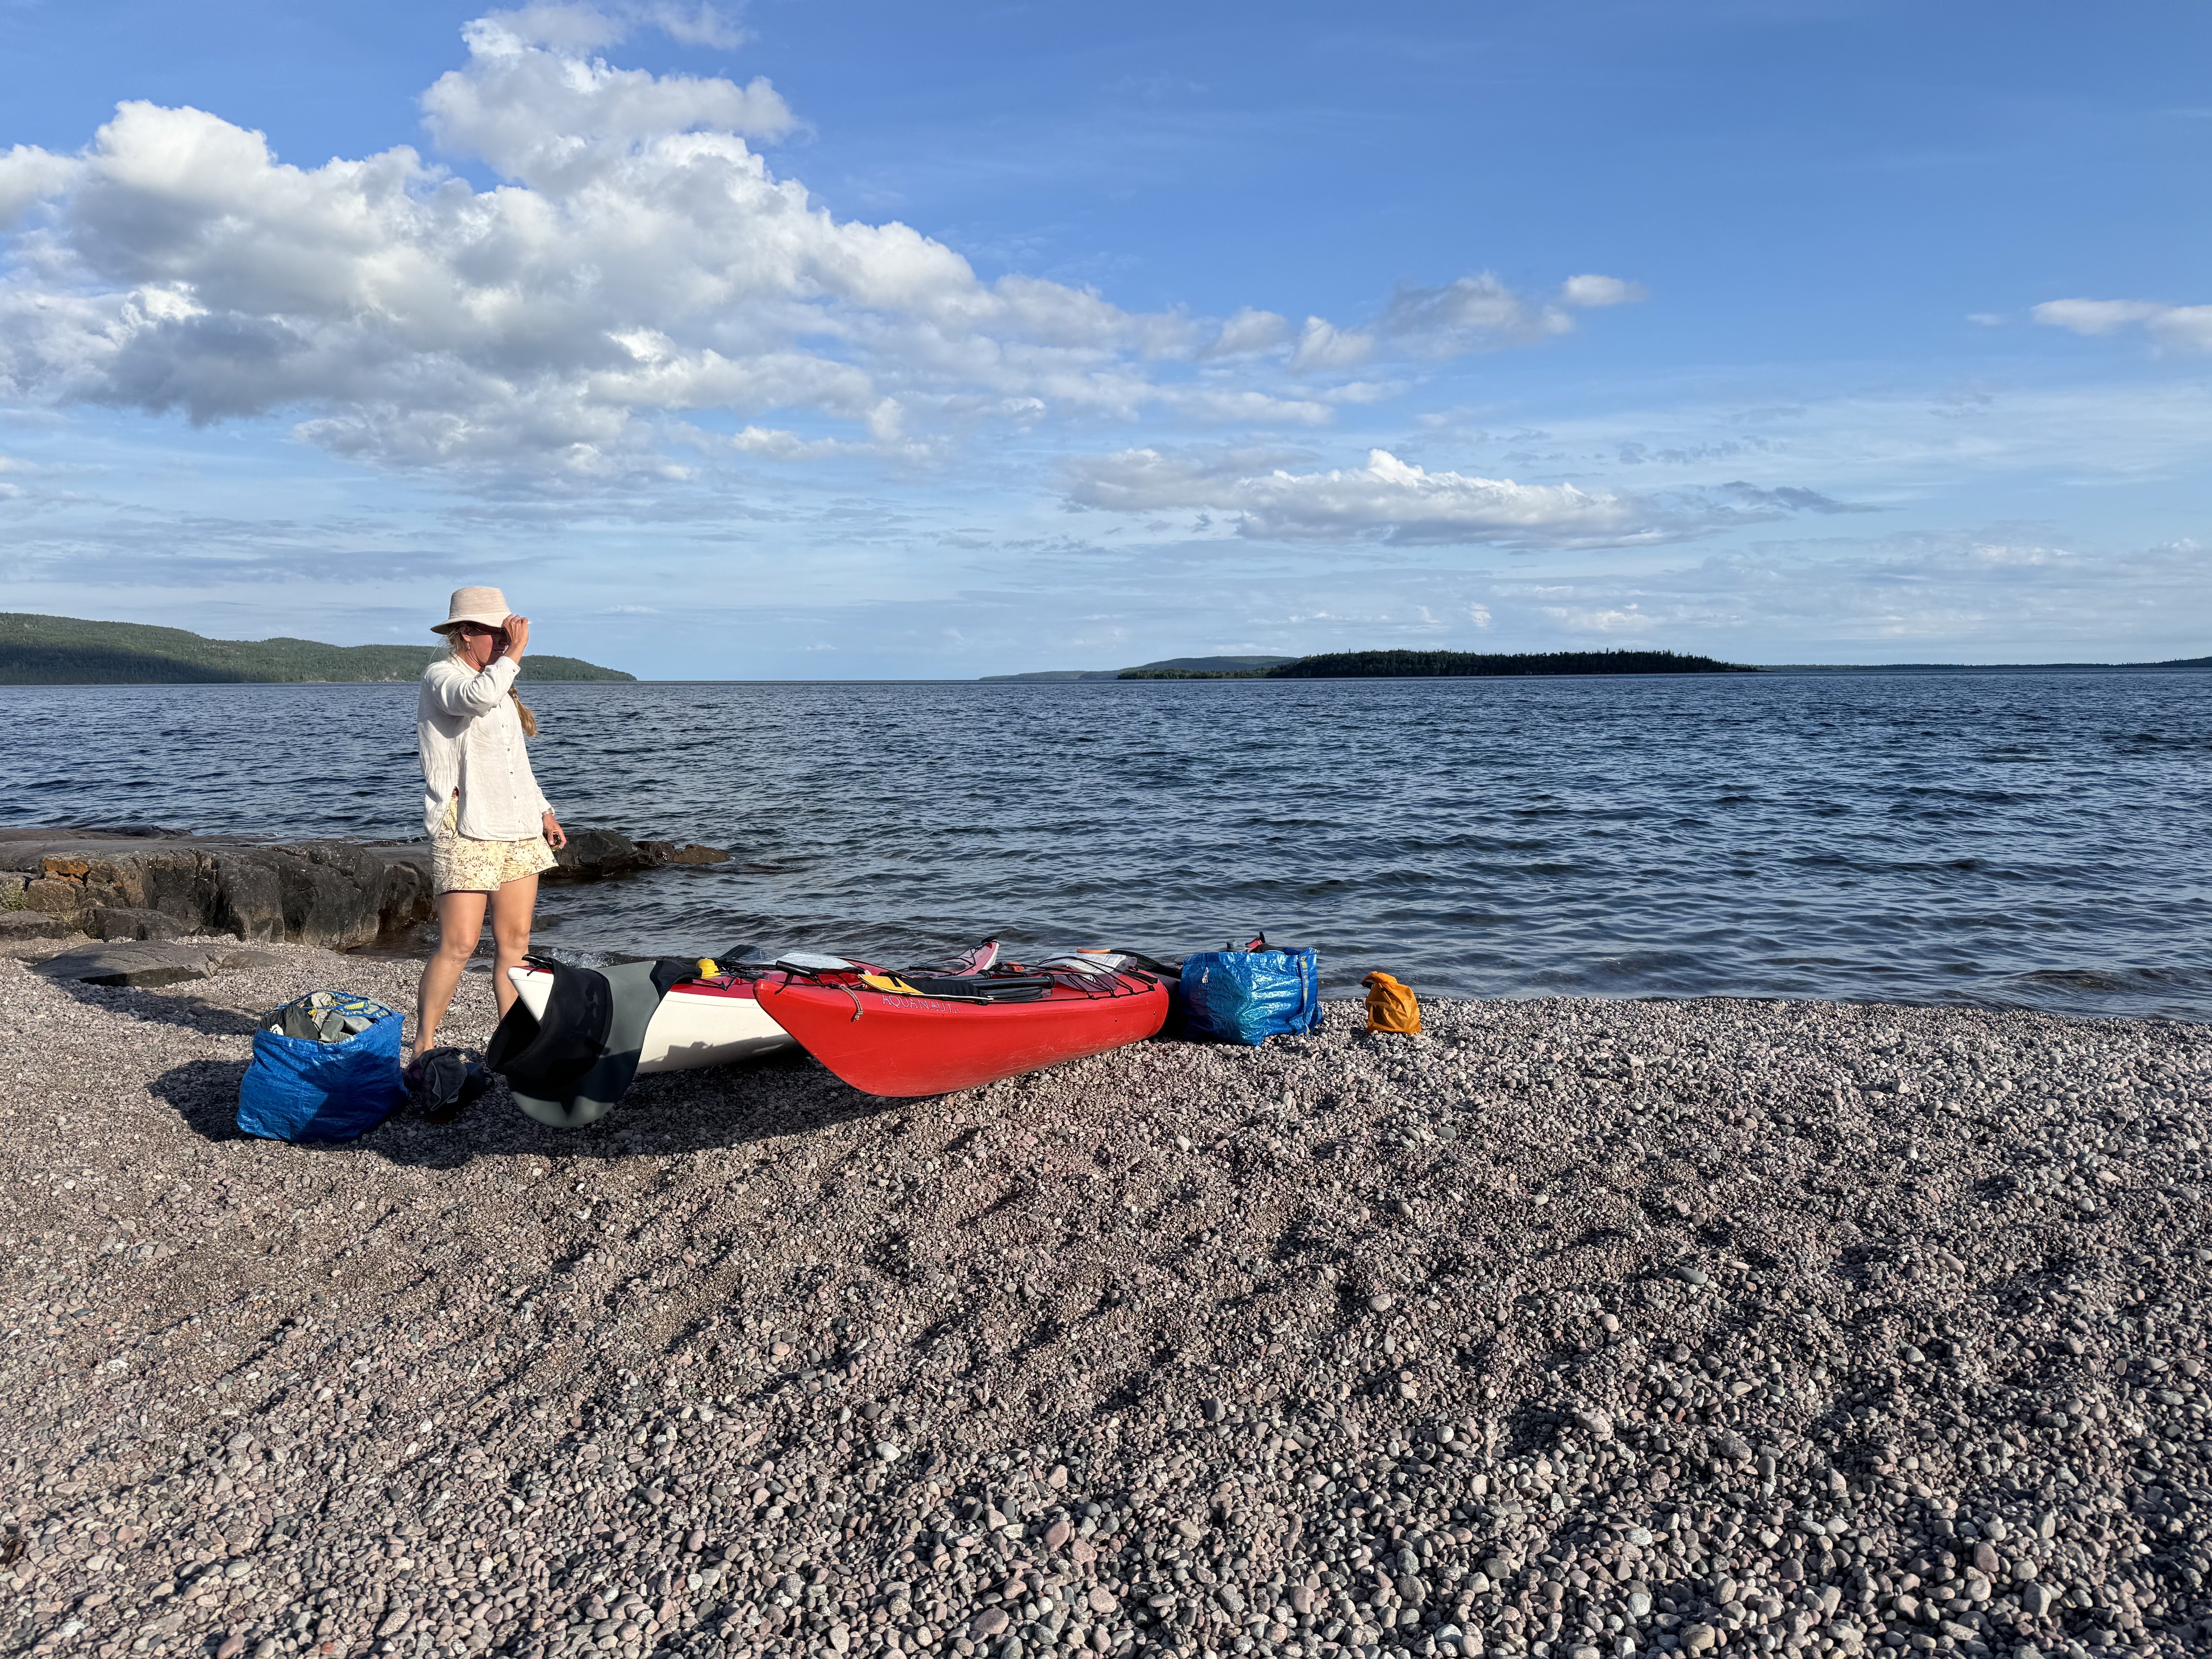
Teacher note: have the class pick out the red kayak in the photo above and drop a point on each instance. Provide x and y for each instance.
(947, 1034)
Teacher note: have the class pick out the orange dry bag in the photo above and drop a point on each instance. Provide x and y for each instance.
(1390, 1006)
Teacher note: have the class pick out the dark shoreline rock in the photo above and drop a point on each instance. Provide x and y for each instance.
(137, 885)
(118, 922)
(146, 965)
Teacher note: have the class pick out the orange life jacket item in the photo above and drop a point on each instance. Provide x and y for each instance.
(1390, 1006)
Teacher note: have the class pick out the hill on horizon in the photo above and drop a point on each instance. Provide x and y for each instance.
(37, 650)
(1483, 664)
(1441, 665)
(1167, 668)
(1989, 667)
(1423, 665)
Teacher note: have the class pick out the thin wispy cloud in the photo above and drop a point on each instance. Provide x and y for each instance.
(1966, 598)
(1788, 498)
(1471, 314)
(1393, 502)
(2186, 328)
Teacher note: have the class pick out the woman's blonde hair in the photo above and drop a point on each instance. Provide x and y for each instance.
(529, 720)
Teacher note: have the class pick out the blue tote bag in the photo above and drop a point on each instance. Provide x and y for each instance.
(299, 1089)
(1248, 996)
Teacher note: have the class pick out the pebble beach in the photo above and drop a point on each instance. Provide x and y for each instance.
(1569, 1328)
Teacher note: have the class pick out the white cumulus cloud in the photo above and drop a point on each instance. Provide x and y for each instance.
(1385, 499)
(638, 262)
(777, 445)
(1323, 345)
(555, 121)
(1247, 332)
(1593, 291)
(27, 175)
(2186, 327)
(700, 25)
(1390, 500)
(1467, 314)
(640, 258)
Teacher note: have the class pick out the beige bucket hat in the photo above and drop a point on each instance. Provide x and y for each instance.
(487, 606)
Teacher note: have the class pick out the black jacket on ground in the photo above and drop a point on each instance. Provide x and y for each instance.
(568, 1068)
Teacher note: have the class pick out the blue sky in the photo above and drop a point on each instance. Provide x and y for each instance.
(824, 339)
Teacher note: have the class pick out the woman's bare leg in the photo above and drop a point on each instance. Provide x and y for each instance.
(460, 925)
(512, 908)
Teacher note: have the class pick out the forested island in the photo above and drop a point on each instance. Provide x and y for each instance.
(1475, 664)
(1449, 664)
(37, 650)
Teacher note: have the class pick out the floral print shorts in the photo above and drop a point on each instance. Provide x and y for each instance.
(460, 865)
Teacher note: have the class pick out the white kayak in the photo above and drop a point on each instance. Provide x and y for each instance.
(697, 1023)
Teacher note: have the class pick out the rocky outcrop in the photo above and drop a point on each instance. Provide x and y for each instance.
(337, 893)
(117, 922)
(596, 854)
(150, 964)
(18, 926)
(333, 893)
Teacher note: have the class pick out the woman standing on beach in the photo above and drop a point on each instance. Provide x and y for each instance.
(492, 830)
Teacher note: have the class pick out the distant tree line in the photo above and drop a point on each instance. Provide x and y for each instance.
(1457, 664)
(1472, 664)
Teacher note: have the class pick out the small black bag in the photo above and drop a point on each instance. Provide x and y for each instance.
(445, 1082)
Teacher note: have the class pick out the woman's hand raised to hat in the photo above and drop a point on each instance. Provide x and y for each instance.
(517, 630)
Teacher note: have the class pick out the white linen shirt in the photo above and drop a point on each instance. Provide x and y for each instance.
(470, 740)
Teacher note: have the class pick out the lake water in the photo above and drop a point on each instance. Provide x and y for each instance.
(2012, 838)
